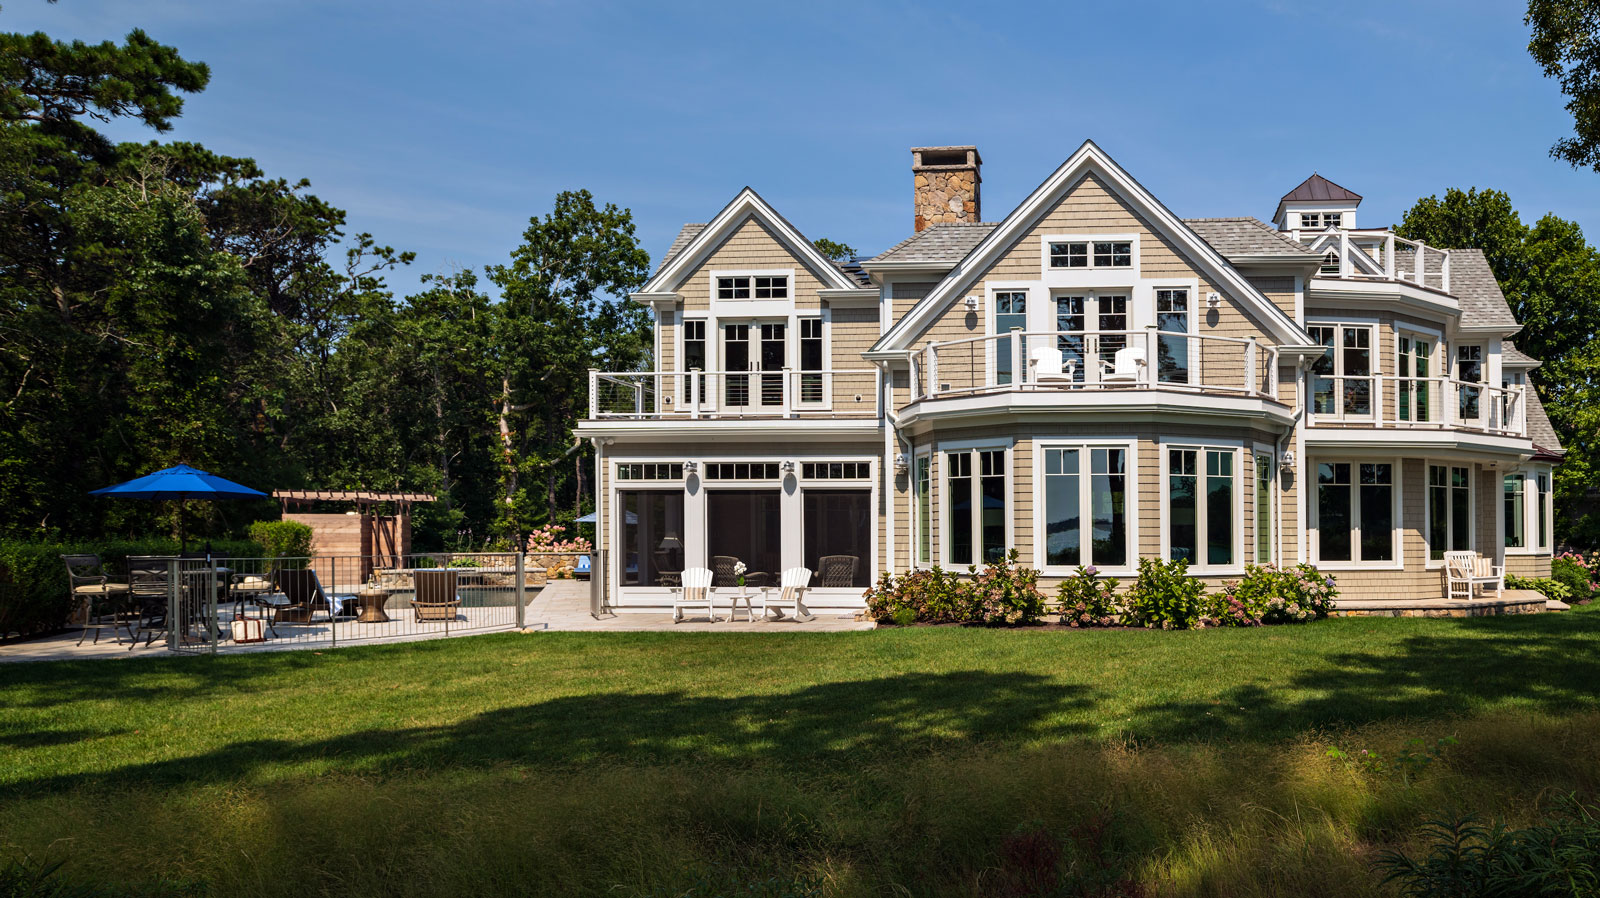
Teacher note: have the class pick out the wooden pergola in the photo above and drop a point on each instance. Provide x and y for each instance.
(361, 498)
(372, 535)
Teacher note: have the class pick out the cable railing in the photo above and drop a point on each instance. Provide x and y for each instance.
(1378, 400)
(1105, 360)
(781, 393)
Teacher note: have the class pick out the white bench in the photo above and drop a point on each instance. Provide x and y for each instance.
(1465, 571)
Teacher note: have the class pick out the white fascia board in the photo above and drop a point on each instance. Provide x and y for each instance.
(1395, 439)
(1490, 330)
(1053, 406)
(654, 299)
(889, 355)
(1087, 159)
(857, 297)
(747, 204)
(1276, 260)
(907, 267)
(782, 430)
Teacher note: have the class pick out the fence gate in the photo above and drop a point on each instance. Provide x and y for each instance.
(192, 624)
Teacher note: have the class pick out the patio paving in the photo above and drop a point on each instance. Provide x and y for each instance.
(564, 605)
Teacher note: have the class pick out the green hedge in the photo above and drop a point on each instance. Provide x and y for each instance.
(33, 581)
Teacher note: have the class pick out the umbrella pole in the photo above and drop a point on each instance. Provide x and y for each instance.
(183, 539)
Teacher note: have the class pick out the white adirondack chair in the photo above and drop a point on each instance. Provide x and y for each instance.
(1127, 367)
(791, 594)
(694, 594)
(1047, 368)
(1465, 571)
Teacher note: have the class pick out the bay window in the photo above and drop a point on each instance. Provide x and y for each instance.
(1449, 510)
(977, 506)
(1200, 506)
(1355, 512)
(1085, 515)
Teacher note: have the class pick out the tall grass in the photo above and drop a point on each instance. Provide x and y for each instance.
(1202, 818)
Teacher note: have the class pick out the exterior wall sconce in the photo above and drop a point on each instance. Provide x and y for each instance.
(788, 467)
(900, 464)
(1213, 300)
(1286, 463)
(689, 467)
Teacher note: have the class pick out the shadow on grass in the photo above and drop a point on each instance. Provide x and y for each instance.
(1546, 662)
(832, 723)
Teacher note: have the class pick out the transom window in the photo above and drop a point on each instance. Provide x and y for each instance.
(739, 286)
(741, 470)
(1086, 517)
(1355, 511)
(1091, 254)
(650, 471)
(836, 470)
(1449, 510)
(1201, 496)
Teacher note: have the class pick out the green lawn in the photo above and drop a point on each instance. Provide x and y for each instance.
(875, 762)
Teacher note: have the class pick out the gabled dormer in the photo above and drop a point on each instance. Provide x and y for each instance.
(1316, 205)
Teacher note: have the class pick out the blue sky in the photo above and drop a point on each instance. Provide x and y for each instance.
(442, 127)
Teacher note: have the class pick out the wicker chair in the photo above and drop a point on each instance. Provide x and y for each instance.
(436, 598)
(837, 570)
(722, 570)
(103, 601)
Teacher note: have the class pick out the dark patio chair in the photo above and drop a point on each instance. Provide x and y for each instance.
(722, 570)
(303, 597)
(837, 570)
(436, 598)
(102, 600)
(149, 588)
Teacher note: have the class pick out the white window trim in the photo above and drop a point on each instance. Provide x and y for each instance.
(1549, 546)
(1484, 369)
(1417, 333)
(1375, 369)
(1397, 508)
(823, 315)
(991, 308)
(1165, 497)
(1530, 514)
(1068, 276)
(917, 563)
(1472, 508)
(1131, 444)
(944, 515)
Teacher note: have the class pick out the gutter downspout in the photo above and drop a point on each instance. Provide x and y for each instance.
(1291, 430)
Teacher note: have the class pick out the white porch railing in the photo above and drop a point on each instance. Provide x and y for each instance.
(1109, 360)
(1379, 400)
(1379, 255)
(787, 393)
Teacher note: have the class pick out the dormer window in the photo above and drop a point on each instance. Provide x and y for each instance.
(1321, 220)
(766, 287)
(1091, 254)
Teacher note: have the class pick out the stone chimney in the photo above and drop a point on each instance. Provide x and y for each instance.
(948, 186)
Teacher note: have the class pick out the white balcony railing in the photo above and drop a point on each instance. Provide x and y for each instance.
(1379, 400)
(1108, 360)
(1378, 255)
(785, 393)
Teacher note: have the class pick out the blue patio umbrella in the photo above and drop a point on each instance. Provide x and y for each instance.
(179, 483)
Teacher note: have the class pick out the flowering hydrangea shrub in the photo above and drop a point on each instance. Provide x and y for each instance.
(549, 539)
(1090, 600)
(1268, 594)
(1574, 571)
(1002, 593)
(1165, 596)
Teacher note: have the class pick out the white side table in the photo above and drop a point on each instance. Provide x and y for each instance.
(749, 609)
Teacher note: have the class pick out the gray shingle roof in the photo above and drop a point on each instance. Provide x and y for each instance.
(1512, 357)
(688, 233)
(1245, 236)
(944, 242)
(1540, 430)
(1472, 283)
(1319, 189)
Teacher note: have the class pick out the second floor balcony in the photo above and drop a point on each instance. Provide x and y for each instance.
(1437, 403)
(1078, 362)
(750, 394)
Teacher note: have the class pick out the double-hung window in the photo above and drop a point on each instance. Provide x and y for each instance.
(1355, 512)
(1341, 378)
(1201, 506)
(1086, 518)
(977, 507)
(1449, 510)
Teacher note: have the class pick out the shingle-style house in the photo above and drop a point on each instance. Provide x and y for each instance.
(1089, 380)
